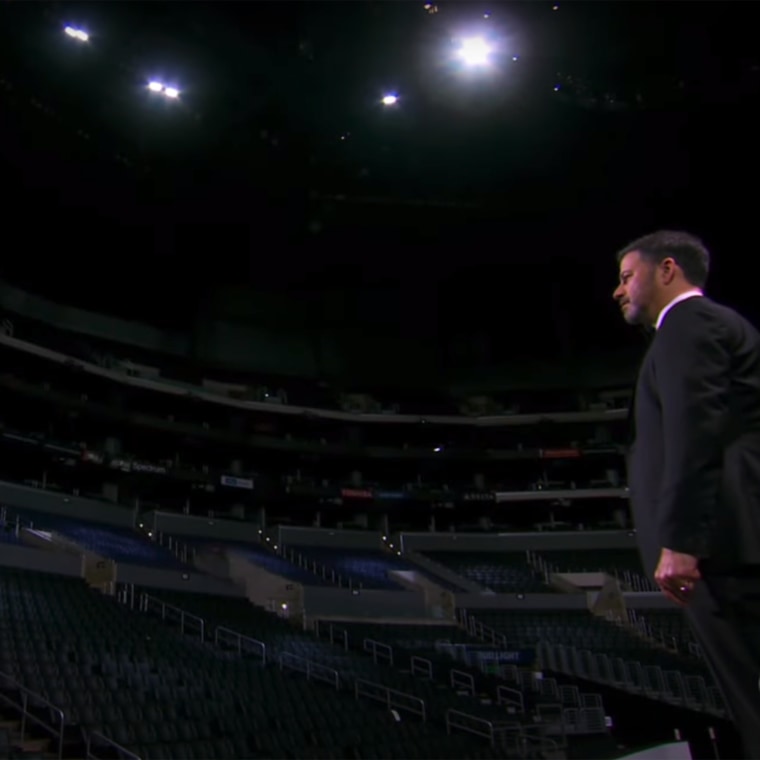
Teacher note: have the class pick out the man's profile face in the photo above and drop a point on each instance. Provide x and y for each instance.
(636, 292)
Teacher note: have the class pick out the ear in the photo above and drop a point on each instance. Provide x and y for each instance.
(668, 270)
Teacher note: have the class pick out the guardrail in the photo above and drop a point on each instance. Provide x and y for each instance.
(335, 635)
(126, 595)
(316, 568)
(179, 549)
(471, 724)
(26, 716)
(421, 667)
(533, 739)
(123, 751)
(312, 670)
(485, 633)
(550, 720)
(184, 618)
(390, 697)
(462, 681)
(378, 650)
(228, 637)
(518, 739)
(510, 698)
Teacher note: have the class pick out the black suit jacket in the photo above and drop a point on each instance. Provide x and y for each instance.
(694, 464)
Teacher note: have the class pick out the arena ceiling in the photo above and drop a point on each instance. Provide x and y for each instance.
(343, 144)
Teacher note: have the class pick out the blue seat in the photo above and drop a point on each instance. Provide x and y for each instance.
(263, 557)
(125, 545)
(369, 567)
(8, 534)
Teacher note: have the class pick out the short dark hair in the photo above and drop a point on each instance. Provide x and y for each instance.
(688, 251)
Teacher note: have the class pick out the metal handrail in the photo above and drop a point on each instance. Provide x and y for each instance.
(378, 649)
(25, 714)
(458, 679)
(319, 569)
(422, 666)
(126, 754)
(486, 633)
(489, 730)
(145, 600)
(239, 639)
(388, 697)
(310, 669)
(510, 697)
(344, 633)
(126, 595)
(545, 743)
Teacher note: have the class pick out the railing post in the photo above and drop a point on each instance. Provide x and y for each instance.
(60, 735)
(24, 703)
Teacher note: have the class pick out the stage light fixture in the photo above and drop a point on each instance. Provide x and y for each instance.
(162, 89)
(475, 51)
(76, 34)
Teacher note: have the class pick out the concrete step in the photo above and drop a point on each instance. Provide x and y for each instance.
(43, 745)
(36, 746)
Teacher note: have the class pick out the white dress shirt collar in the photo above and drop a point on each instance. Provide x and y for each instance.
(687, 294)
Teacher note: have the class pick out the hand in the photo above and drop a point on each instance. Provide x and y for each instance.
(676, 575)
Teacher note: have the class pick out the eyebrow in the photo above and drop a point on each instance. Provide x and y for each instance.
(625, 273)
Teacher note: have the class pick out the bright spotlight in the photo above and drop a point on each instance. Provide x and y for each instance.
(474, 51)
(390, 100)
(169, 92)
(76, 34)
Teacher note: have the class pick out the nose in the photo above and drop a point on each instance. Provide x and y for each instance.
(618, 293)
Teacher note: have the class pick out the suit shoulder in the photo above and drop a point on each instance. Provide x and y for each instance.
(732, 321)
(701, 321)
(700, 312)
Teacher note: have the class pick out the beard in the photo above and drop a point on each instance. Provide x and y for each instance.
(638, 310)
(633, 315)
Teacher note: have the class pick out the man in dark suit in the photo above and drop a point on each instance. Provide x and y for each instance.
(694, 464)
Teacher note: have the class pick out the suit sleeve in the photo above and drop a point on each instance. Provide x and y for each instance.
(693, 380)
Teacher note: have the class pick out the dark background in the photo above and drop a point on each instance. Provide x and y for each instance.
(481, 215)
